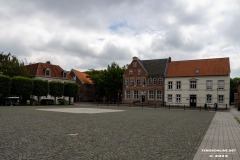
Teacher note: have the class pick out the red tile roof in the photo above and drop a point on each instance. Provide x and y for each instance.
(83, 76)
(206, 67)
(38, 69)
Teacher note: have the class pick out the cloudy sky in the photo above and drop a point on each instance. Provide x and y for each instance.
(90, 34)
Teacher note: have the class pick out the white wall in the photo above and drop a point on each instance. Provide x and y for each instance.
(200, 92)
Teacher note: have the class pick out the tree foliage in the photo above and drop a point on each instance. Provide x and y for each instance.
(22, 87)
(70, 90)
(233, 87)
(56, 89)
(5, 86)
(11, 66)
(40, 88)
(108, 82)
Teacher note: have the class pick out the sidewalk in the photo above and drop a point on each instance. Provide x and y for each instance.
(222, 140)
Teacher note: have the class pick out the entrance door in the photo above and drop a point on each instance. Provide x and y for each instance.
(193, 100)
(143, 98)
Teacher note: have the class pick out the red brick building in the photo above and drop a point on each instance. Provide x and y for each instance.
(143, 81)
(86, 88)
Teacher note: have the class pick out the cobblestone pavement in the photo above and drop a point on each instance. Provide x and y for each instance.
(136, 133)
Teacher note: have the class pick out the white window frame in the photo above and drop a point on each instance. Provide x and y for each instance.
(193, 84)
(178, 98)
(221, 99)
(135, 94)
(139, 72)
(130, 72)
(169, 98)
(208, 98)
(150, 95)
(221, 84)
(158, 95)
(128, 94)
(170, 85)
(178, 85)
(126, 82)
(209, 84)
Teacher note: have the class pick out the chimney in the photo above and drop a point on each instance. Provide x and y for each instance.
(169, 59)
(48, 62)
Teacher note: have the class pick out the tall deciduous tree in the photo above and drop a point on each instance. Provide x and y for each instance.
(56, 89)
(233, 87)
(40, 88)
(22, 87)
(108, 82)
(11, 66)
(70, 90)
(5, 86)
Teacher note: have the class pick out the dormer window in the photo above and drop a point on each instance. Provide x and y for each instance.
(197, 71)
(64, 74)
(47, 72)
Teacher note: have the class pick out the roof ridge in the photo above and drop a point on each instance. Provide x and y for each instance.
(200, 59)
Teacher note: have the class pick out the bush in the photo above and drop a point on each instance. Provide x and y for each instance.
(47, 102)
(5, 86)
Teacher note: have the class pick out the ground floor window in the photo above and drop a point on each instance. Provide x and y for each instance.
(150, 94)
(220, 98)
(159, 95)
(178, 98)
(128, 95)
(135, 94)
(169, 98)
(209, 98)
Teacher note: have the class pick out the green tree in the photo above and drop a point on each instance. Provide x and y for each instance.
(22, 87)
(233, 87)
(56, 89)
(70, 90)
(108, 82)
(5, 86)
(40, 88)
(11, 66)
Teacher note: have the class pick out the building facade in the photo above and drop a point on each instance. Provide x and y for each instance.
(198, 82)
(86, 88)
(143, 81)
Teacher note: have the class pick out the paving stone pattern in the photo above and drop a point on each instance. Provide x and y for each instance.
(136, 133)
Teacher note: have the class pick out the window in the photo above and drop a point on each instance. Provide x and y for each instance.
(150, 95)
(149, 81)
(159, 95)
(178, 98)
(134, 64)
(170, 83)
(193, 84)
(209, 98)
(160, 81)
(128, 95)
(197, 71)
(143, 81)
(64, 74)
(132, 82)
(154, 81)
(47, 72)
(220, 98)
(139, 72)
(126, 82)
(209, 84)
(178, 86)
(169, 98)
(221, 84)
(130, 72)
(138, 82)
(135, 94)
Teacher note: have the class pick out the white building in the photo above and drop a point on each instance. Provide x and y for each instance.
(196, 82)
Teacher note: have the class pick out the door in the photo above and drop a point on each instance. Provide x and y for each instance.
(143, 98)
(193, 100)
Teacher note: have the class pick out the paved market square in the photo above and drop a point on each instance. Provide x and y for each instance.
(56, 132)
